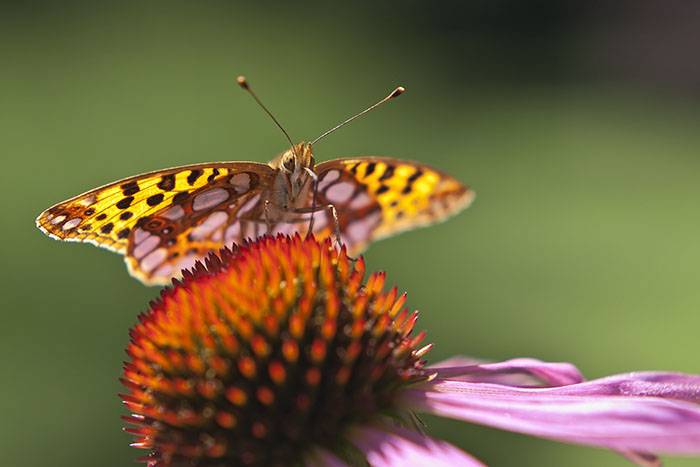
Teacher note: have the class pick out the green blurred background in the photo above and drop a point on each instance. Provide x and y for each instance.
(576, 125)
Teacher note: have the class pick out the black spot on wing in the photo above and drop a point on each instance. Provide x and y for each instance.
(388, 173)
(194, 176)
(142, 221)
(130, 188)
(125, 202)
(212, 177)
(181, 197)
(155, 199)
(167, 182)
(409, 182)
(415, 176)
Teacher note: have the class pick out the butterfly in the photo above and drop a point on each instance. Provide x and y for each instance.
(164, 221)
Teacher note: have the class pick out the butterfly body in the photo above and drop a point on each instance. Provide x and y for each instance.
(164, 221)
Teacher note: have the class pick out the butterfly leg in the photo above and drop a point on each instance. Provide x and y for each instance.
(330, 208)
(336, 223)
(266, 215)
(314, 179)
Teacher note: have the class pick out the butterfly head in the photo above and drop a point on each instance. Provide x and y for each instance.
(294, 161)
(296, 167)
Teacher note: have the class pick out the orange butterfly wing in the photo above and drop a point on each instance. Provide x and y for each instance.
(377, 197)
(163, 221)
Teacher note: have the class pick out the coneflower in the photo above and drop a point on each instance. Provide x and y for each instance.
(279, 352)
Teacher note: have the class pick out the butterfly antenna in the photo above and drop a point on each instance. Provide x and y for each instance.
(395, 93)
(242, 82)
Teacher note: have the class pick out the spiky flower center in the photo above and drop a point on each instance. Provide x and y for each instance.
(271, 349)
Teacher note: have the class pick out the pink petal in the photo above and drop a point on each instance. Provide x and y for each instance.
(403, 447)
(645, 412)
(667, 385)
(515, 372)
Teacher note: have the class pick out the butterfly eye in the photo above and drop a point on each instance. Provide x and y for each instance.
(289, 165)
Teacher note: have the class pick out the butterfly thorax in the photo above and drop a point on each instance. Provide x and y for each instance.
(293, 180)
